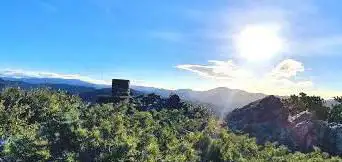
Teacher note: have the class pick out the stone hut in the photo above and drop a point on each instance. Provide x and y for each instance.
(120, 90)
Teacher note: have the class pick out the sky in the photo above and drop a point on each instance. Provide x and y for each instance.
(278, 47)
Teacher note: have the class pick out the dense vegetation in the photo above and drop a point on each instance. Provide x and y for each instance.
(303, 102)
(44, 125)
(335, 114)
(315, 105)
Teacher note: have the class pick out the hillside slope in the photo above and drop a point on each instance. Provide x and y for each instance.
(43, 125)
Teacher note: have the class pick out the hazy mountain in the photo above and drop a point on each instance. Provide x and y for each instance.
(92, 96)
(48, 78)
(76, 82)
(87, 91)
(223, 99)
(159, 91)
(73, 89)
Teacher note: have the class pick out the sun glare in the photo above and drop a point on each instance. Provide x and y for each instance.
(258, 42)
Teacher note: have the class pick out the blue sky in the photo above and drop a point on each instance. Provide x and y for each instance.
(277, 47)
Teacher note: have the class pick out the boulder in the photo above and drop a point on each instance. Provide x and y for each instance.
(303, 116)
(260, 111)
(269, 120)
(265, 119)
(330, 137)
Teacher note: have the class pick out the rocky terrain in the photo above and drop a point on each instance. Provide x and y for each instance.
(269, 120)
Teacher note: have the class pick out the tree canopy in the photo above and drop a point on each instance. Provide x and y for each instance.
(303, 102)
(336, 111)
(45, 125)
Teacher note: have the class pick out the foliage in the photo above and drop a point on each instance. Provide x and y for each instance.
(315, 105)
(44, 125)
(303, 102)
(336, 111)
(338, 99)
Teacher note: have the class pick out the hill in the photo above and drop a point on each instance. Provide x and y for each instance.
(301, 123)
(43, 125)
(224, 99)
(73, 89)
(221, 99)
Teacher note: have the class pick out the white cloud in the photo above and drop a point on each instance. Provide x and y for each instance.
(225, 70)
(18, 73)
(279, 80)
(287, 68)
(38, 74)
(305, 31)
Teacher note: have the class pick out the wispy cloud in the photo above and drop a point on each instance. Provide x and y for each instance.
(305, 32)
(225, 70)
(280, 80)
(18, 73)
(39, 74)
(287, 69)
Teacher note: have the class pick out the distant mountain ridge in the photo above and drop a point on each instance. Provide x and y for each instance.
(223, 99)
(73, 89)
(34, 80)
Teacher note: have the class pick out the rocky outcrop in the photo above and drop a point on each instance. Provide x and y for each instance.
(269, 120)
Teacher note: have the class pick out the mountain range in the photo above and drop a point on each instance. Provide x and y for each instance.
(223, 99)
(35, 80)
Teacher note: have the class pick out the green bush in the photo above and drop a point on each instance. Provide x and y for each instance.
(303, 102)
(43, 125)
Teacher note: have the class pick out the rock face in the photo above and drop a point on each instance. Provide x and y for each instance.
(269, 120)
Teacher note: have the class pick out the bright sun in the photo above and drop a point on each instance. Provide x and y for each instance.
(258, 42)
